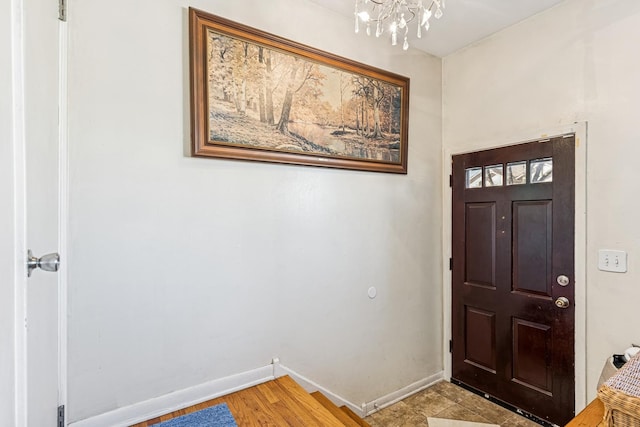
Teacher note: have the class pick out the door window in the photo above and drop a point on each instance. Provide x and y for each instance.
(540, 171)
(493, 175)
(474, 178)
(516, 173)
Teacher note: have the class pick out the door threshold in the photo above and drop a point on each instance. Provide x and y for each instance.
(505, 405)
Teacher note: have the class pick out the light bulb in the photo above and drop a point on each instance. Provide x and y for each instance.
(405, 45)
(364, 15)
(368, 28)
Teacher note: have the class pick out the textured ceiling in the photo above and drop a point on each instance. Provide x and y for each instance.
(464, 21)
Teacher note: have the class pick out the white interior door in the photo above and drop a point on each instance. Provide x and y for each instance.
(7, 233)
(34, 51)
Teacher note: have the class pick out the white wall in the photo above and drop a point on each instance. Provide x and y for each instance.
(184, 270)
(576, 62)
(7, 256)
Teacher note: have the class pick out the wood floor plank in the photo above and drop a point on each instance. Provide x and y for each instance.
(319, 412)
(268, 393)
(335, 411)
(355, 417)
(240, 413)
(296, 413)
(261, 413)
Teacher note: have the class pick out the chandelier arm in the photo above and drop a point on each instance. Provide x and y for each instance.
(384, 14)
(413, 15)
(382, 18)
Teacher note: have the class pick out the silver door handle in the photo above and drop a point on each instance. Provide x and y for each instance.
(48, 262)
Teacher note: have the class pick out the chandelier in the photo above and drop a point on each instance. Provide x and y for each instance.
(395, 16)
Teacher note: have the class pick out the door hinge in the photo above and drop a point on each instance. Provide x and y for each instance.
(450, 263)
(450, 346)
(450, 180)
(61, 416)
(62, 10)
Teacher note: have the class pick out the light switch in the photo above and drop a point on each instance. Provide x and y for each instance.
(614, 261)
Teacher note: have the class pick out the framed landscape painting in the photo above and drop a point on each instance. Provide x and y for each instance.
(257, 96)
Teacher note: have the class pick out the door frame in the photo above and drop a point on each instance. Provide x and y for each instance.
(63, 210)
(18, 275)
(580, 129)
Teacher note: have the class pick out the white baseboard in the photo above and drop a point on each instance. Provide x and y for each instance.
(403, 393)
(366, 408)
(155, 407)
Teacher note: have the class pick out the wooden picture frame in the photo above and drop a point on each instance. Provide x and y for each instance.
(257, 96)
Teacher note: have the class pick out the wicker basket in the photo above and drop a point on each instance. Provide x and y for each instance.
(621, 396)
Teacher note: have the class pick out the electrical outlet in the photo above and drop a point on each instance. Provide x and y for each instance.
(611, 260)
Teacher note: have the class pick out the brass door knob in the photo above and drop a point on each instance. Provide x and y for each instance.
(562, 302)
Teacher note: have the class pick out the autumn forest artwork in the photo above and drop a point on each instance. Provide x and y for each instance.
(262, 97)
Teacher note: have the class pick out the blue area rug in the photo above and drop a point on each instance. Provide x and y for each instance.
(215, 416)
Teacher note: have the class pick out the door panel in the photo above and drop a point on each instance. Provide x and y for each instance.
(511, 238)
(480, 269)
(531, 345)
(481, 338)
(532, 227)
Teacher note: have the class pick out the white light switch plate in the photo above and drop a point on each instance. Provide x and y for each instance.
(610, 260)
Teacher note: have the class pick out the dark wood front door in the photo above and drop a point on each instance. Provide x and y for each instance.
(513, 261)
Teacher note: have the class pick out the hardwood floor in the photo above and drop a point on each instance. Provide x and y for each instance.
(281, 402)
(337, 412)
